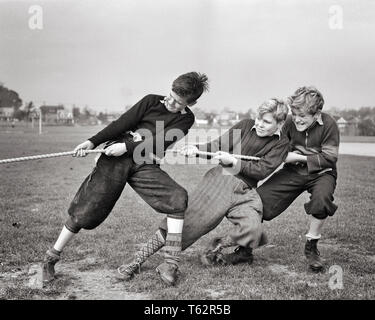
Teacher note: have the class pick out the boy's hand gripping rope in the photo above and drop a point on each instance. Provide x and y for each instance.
(68, 153)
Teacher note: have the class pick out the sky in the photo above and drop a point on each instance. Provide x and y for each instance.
(109, 54)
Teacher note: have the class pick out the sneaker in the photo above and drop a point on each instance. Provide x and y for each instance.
(48, 268)
(313, 255)
(167, 273)
(127, 271)
(239, 255)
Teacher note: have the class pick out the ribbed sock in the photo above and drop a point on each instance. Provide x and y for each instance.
(172, 248)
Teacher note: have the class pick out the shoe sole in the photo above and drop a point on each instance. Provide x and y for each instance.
(241, 262)
(316, 269)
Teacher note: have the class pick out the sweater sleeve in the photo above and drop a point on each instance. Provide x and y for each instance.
(285, 130)
(262, 168)
(226, 141)
(126, 122)
(328, 156)
(163, 138)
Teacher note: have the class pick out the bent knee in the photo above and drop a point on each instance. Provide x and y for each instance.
(179, 200)
(321, 207)
(176, 203)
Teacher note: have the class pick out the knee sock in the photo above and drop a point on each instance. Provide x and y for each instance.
(62, 240)
(173, 242)
(315, 228)
(154, 244)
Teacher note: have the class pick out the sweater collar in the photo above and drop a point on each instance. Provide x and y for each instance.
(164, 102)
(277, 133)
(319, 119)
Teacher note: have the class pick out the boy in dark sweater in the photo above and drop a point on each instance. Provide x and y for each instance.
(229, 188)
(310, 166)
(141, 130)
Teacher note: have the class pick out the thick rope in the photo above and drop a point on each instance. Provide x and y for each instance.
(212, 154)
(68, 153)
(50, 155)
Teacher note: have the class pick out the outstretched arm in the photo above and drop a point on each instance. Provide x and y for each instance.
(126, 122)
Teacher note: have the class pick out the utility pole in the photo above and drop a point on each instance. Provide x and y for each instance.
(40, 120)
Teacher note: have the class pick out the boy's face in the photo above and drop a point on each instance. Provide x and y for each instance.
(175, 103)
(302, 119)
(266, 125)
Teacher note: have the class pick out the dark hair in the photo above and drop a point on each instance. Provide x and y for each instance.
(277, 107)
(190, 85)
(307, 98)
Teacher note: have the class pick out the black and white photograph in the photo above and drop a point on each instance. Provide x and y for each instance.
(187, 154)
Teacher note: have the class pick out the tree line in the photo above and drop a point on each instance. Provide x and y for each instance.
(364, 117)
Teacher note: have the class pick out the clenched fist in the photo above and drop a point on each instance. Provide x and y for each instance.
(116, 149)
(80, 149)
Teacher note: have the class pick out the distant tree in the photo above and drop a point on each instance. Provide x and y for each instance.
(366, 127)
(28, 109)
(102, 117)
(20, 114)
(76, 112)
(243, 115)
(9, 98)
(127, 107)
(364, 112)
(85, 113)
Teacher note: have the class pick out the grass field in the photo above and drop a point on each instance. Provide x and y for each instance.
(35, 196)
(360, 139)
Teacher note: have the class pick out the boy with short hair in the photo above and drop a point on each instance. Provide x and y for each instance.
(310, 166)
(232, 195)
(122, 162)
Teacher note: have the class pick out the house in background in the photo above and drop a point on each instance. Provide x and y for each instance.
(6, 113)
(200, 117)
(227, 118)
(55, 115)
(349, 126)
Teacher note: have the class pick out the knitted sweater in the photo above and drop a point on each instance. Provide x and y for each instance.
(272, 151)
(320, 143)
(150, 118)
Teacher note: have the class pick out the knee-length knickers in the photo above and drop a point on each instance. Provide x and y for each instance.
(101, 189)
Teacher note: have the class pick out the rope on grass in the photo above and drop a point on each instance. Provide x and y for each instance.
(50, 155)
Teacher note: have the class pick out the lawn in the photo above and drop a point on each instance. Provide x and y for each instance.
(35, 196)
